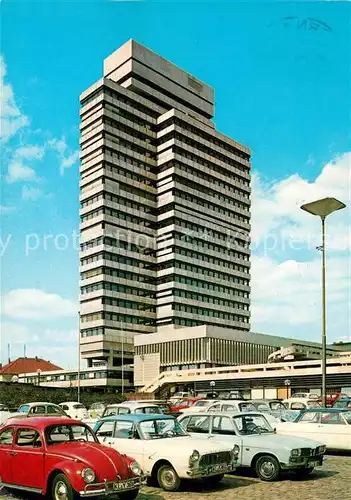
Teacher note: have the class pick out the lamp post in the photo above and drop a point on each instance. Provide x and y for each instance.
(213, 385)
(322, 208)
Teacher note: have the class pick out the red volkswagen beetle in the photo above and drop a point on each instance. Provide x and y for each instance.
(62, 458)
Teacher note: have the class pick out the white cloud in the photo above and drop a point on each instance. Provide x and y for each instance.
(276, 214)
(286, 277)
(36, 305)
(4, 209)
(31, 152)
(31, 193)
(11, 118)
(19, 171)
(67, 156)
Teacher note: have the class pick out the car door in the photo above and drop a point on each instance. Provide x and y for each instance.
(121, 435)
(334, 431)
(6, 454)
(223, 429)
(28, 456)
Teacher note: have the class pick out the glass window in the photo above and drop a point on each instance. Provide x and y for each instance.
(123, 430)
(311, 417)
(199, 424)
(329, 418)
(105, 429)
(55, 434)
(347, 417)
(37, 410)
(54, 410)
(6, 437)
(23, 409)
(297, 406)
(215, 407)
(28, 437)
(122, 411)
(223, 425)
(228, 408)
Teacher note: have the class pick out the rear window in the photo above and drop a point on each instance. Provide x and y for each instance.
(78, 407)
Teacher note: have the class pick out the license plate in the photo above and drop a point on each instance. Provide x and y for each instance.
(313, 463)
(217, 468)
(124, 485)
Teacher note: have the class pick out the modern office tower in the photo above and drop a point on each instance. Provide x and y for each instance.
(165, 208)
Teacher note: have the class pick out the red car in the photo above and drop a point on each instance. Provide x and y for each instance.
(62, 458)
(183, 404)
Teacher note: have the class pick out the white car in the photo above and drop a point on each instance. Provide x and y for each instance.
(125, 409)
(37, 409)
(4, 413)
(266, 452)
(75, 410)
(305, 395)
(165, 451)
(299, 404)
(200, 405)
(330, 425)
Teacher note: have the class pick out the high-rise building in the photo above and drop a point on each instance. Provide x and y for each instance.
(165, 208)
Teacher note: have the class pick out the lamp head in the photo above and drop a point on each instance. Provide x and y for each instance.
(323, 207)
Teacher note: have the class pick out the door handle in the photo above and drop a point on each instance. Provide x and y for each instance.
(13, 453)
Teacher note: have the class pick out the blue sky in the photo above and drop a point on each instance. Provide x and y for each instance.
(281, 73)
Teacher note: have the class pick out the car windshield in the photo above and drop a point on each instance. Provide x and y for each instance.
(203, 403)
(342, 403)
(313, 404)
(246, 407)
(56, 434)
(159, 429)
(23, 409)
(255, 424)
(262, 407)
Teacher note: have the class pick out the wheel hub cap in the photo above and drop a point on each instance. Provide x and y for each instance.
(267, 469)
(61, 492)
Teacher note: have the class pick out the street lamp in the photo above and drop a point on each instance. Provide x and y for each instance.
(323, 208)
(213, 385)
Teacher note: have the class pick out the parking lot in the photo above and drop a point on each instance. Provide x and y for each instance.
(332, 481)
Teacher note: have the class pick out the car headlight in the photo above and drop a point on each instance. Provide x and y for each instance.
(135, 468)
(194, 457)
(321, 449)
(296, 452)
(88, 475)
(236, 451)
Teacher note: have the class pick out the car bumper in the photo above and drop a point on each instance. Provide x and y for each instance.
(112, 487)
(211, 470)
(303, 463)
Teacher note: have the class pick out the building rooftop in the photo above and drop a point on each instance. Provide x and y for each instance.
(27, 365)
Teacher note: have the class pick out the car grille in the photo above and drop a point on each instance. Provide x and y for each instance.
(307, 452)
(215, 458)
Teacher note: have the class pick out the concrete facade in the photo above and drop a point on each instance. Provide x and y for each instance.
(165, 208)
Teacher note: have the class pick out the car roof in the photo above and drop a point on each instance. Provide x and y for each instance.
(136, 417)
(140, 405)
(43, 422)
(70, 403)
(327, 410)
(222, 414)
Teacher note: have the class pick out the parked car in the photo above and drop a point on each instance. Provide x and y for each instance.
(331, 398)
(305, 395)
(37, 410)
(264, 451)
(342, 403)
(179, 395)
(274, 407)
(200, 404)
(165, 407)
(124, 409)
(183, 404)
(74, 409)
(67, 459)
(299, 404)
(330, 425)
(165, 451)
(4, 413)
(96, 409)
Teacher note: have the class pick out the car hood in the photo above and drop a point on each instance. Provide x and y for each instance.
(180, 446)
(279, 440)
(106, 462)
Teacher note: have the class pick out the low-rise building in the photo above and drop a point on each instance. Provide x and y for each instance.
(11, 371)
(209, 346)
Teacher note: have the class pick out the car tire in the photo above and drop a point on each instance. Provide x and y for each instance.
(129, 495)
(61, 486)
(301, 473)
(267, 468)
(167, 478)
(213, 480)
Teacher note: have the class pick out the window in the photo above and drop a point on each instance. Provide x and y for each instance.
(215, 407)
(28, 437)
(199, 424)
(23, 409)
(123, 430)
(54, 410)
(37, 410)
(297, 406)
(228, 408)
(310, 417)
(332, 419)
(223, 425)
(106, 429)
(6, 437)
(123, 410)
